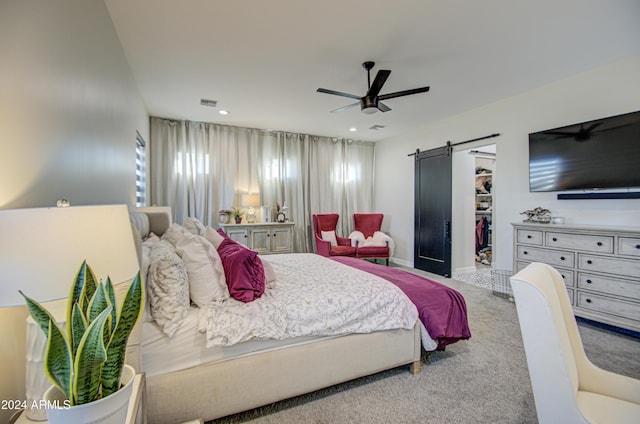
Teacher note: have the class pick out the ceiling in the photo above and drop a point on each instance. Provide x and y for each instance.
(263, 60)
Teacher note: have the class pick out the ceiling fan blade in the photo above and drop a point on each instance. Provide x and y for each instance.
(340, 109)
(338, 93)
(381, 78)
(383, 108)
(403, 93)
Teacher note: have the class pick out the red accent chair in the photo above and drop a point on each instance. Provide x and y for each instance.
(368, 224)
(329, 222)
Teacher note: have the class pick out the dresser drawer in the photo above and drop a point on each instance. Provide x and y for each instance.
(629, 246)
(529, 237)
(607, 305)
(587, 243)
(609, 265)
(615, 286)
(548, 256)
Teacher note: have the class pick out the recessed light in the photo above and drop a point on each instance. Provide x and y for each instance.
(223, 112)
(353, 129)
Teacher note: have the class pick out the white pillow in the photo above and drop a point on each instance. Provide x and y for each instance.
(174, 233)
(167, 287)
(206, 274)
(213, 236)
(269, 274)
(194, 226)
(329, 236)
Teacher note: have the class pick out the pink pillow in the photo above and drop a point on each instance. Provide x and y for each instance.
(243, 270)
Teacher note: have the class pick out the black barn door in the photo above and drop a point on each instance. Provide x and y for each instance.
(432, 251)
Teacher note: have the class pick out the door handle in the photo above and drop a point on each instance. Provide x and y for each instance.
(447, 229)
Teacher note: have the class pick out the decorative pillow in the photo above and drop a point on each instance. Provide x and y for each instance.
(243, 269)
(167, 287)
(269, 275)
(194, 226)
(207, 281)
(174, 233)
(213, 236)
(145, 249)
(329, 236)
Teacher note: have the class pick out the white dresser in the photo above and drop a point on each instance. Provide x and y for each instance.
(263, 237)
(600, 267)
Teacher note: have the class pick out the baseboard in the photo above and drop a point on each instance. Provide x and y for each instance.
(402, 262)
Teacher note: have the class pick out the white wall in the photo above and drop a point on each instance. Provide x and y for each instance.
(69, 111)
(609, 90)
(69, 106)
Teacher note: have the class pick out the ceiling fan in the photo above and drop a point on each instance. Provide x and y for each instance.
(372, 102)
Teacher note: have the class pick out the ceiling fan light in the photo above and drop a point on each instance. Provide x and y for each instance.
(370, 110)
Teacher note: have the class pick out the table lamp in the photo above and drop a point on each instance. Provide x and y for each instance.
(41, 250)
(251, 201)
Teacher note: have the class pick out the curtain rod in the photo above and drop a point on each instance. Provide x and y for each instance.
(449, 144)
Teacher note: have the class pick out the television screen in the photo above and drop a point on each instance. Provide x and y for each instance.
(599, 154)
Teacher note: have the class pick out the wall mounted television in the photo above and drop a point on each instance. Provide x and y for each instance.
(593, 155)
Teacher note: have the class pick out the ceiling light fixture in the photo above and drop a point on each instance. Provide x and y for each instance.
(223, 112)
(353, 129)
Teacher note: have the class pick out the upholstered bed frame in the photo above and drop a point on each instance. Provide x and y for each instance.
(226, 387)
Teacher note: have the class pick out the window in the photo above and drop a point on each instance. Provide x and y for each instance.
(141, 171)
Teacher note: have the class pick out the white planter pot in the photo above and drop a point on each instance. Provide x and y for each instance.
(109, 410)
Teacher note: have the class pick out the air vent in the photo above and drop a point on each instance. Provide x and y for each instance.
(376, 127)
(211, 103)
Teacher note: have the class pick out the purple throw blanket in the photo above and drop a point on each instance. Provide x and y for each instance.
(442, 309)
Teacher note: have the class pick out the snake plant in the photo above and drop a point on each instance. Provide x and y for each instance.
(86, 360)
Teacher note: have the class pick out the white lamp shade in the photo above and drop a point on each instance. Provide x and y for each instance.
(251, 200)
(41, 249)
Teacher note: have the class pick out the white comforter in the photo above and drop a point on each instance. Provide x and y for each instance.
(313, 296)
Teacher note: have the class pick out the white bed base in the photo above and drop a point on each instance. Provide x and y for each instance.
(222, 388)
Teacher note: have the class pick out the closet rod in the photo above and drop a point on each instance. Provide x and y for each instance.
(449, 144)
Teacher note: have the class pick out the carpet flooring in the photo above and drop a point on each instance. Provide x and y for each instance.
(481, 380)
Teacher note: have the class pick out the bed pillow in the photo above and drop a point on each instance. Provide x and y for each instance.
(269, 275)
(194, 226)
(167, 287)
(145, 261)
(243, 269)
(174, 233)
(207, 281)
(329, 236)
(213, 236)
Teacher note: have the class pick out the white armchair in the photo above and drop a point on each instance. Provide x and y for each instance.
(567, 387)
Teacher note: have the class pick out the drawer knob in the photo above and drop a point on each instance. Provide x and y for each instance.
(599, 243)
(588, 281)
(637, 246)
(525, 253)
(554, 239)
(589, 261)
(529, 236)
(562, 258)
(588, 300)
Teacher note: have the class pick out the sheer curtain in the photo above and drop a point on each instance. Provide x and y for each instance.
(199, 168)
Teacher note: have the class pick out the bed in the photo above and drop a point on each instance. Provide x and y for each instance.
(255, 365)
